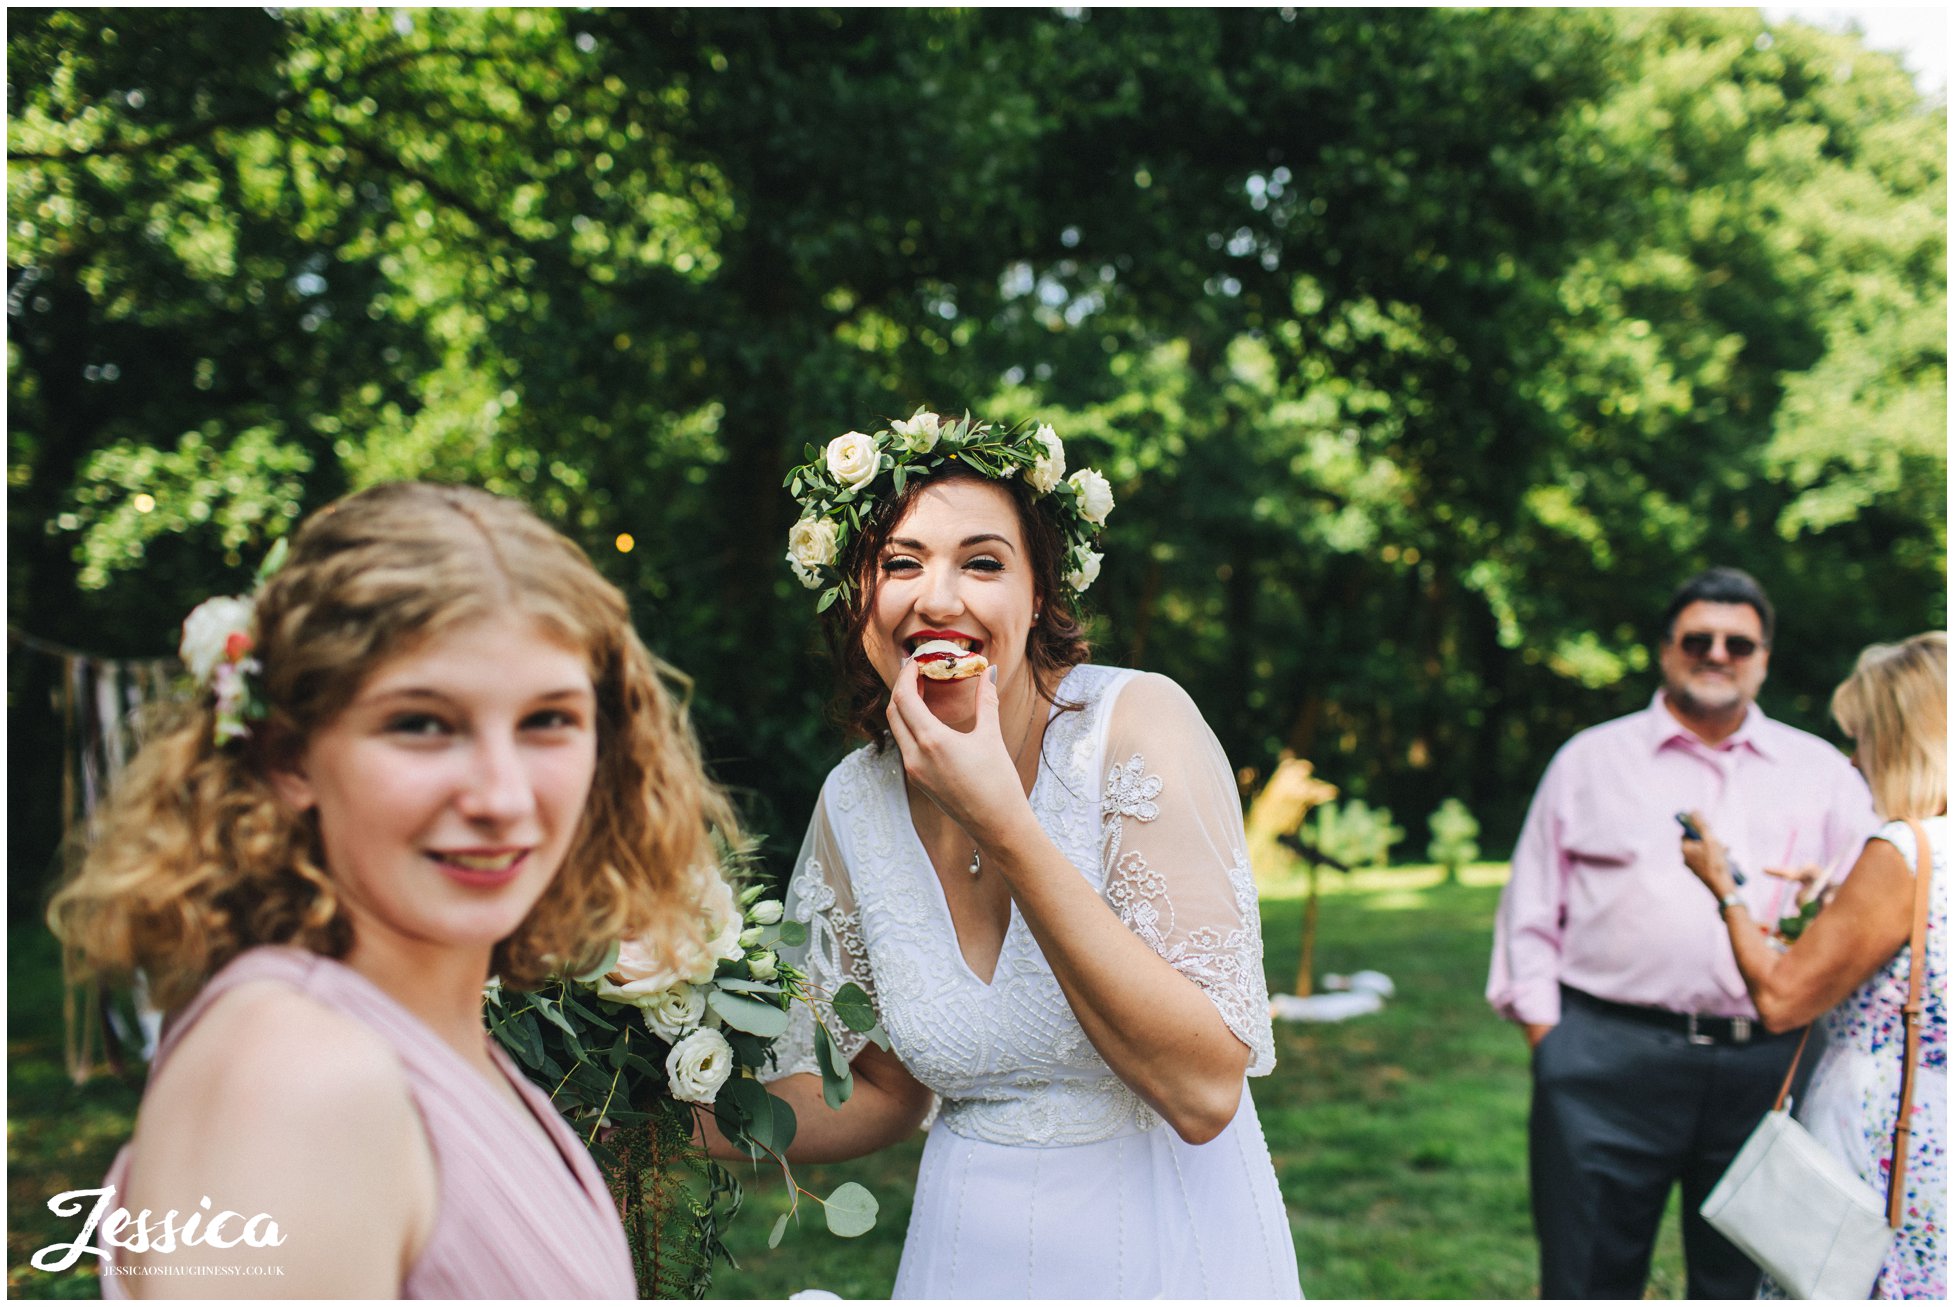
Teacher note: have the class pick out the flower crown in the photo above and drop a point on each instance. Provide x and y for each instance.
(837, 486)
(216, 646)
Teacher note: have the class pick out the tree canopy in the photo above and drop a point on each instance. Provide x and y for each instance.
(1427, 350)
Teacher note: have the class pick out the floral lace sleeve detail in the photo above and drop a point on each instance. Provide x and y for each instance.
(833, 956)
(1177, 869)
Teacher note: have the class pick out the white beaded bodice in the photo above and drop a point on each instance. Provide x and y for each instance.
(1133, 789)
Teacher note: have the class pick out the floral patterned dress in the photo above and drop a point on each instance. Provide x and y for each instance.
(1854, 1095)
(1044, 1175)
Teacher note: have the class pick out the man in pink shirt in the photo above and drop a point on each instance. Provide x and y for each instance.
(1649, 1064)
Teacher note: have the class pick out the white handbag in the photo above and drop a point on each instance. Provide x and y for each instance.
(1794, 1208)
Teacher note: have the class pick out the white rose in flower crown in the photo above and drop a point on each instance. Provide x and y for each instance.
(1095, 494)
(208, 628)
(698, 1065)
(853, 460)
(674, 1011)
(1047, 471)
(919, 434)
(812, 543)
(1085, 569)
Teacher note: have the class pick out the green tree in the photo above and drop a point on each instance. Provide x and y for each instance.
(1427, 349)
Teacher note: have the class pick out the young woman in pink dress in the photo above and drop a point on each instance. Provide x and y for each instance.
(432, 751)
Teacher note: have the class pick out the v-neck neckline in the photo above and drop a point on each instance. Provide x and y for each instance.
(1014, 918)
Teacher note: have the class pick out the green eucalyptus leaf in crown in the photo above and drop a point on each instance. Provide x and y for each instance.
(837, 488)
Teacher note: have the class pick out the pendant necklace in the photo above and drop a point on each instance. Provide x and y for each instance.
(1017, 760)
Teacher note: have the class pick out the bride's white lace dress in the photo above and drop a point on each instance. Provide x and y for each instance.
(1044, 1176)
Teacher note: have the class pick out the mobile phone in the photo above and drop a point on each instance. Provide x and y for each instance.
(1689, 829)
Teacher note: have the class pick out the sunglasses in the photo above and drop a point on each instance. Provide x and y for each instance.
(1697, 644)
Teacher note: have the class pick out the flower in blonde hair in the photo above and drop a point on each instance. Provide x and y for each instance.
(210, 632)
(216, 647)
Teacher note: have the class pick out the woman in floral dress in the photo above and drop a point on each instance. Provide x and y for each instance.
(1042, 880)
(1852, 964)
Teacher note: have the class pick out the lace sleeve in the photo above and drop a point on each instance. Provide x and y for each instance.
(1176, 858)
(821, 898)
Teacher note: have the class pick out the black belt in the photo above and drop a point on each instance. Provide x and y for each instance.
(1697, 1029)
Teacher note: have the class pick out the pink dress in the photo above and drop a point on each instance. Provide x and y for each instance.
(520, 1216)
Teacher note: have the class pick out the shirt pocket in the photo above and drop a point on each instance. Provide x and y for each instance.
(1600, 825)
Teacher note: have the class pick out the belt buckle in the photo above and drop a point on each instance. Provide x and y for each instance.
(1740, 1030)
(1695, 1036)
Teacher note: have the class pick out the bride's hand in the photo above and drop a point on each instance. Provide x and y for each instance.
(968, 774)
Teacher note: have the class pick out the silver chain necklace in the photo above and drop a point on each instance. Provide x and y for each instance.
(1017, 762)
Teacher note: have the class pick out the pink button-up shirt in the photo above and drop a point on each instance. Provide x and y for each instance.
(1599, 897)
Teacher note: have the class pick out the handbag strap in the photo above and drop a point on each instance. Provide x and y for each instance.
(1791, 1072)
(1910, 1018)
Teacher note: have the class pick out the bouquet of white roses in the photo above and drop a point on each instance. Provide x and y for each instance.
(634, 1050)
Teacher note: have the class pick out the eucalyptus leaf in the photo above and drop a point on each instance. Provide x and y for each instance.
(751, 1050)
(784, 1125)
(741, 1106)
(746, 986)
(852, 1005)
(750, 1015)
(837, 1080)
(851, 1210)
(588, 1013)
(610, 960)
(550, 1012)
(793, 933)
(779, 1230)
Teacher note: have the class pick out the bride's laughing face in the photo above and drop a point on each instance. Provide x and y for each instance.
(955, 567)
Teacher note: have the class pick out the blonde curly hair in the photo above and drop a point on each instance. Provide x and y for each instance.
(1894, 706)
(195, 859)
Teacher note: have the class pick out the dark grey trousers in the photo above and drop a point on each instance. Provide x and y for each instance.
(1622, 1111)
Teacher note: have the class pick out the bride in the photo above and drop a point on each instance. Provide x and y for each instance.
(1039, 874)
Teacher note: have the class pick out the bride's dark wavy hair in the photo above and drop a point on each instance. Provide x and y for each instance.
(1057, 642)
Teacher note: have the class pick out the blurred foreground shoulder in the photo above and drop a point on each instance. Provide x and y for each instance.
(276, 1104)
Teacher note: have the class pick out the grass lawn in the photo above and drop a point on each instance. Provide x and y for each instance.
(1399, 1138)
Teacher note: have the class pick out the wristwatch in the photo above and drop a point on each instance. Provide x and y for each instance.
(1727, 902)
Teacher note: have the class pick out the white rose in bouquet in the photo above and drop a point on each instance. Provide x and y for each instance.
(674, 1011)
(812, 543)
(1050, 469)
(764, 965)
(1095, 495)
(919, 434)
(764, 913)
(853, 460)
(208, 629)
(698, 1065)
(1085, 569)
